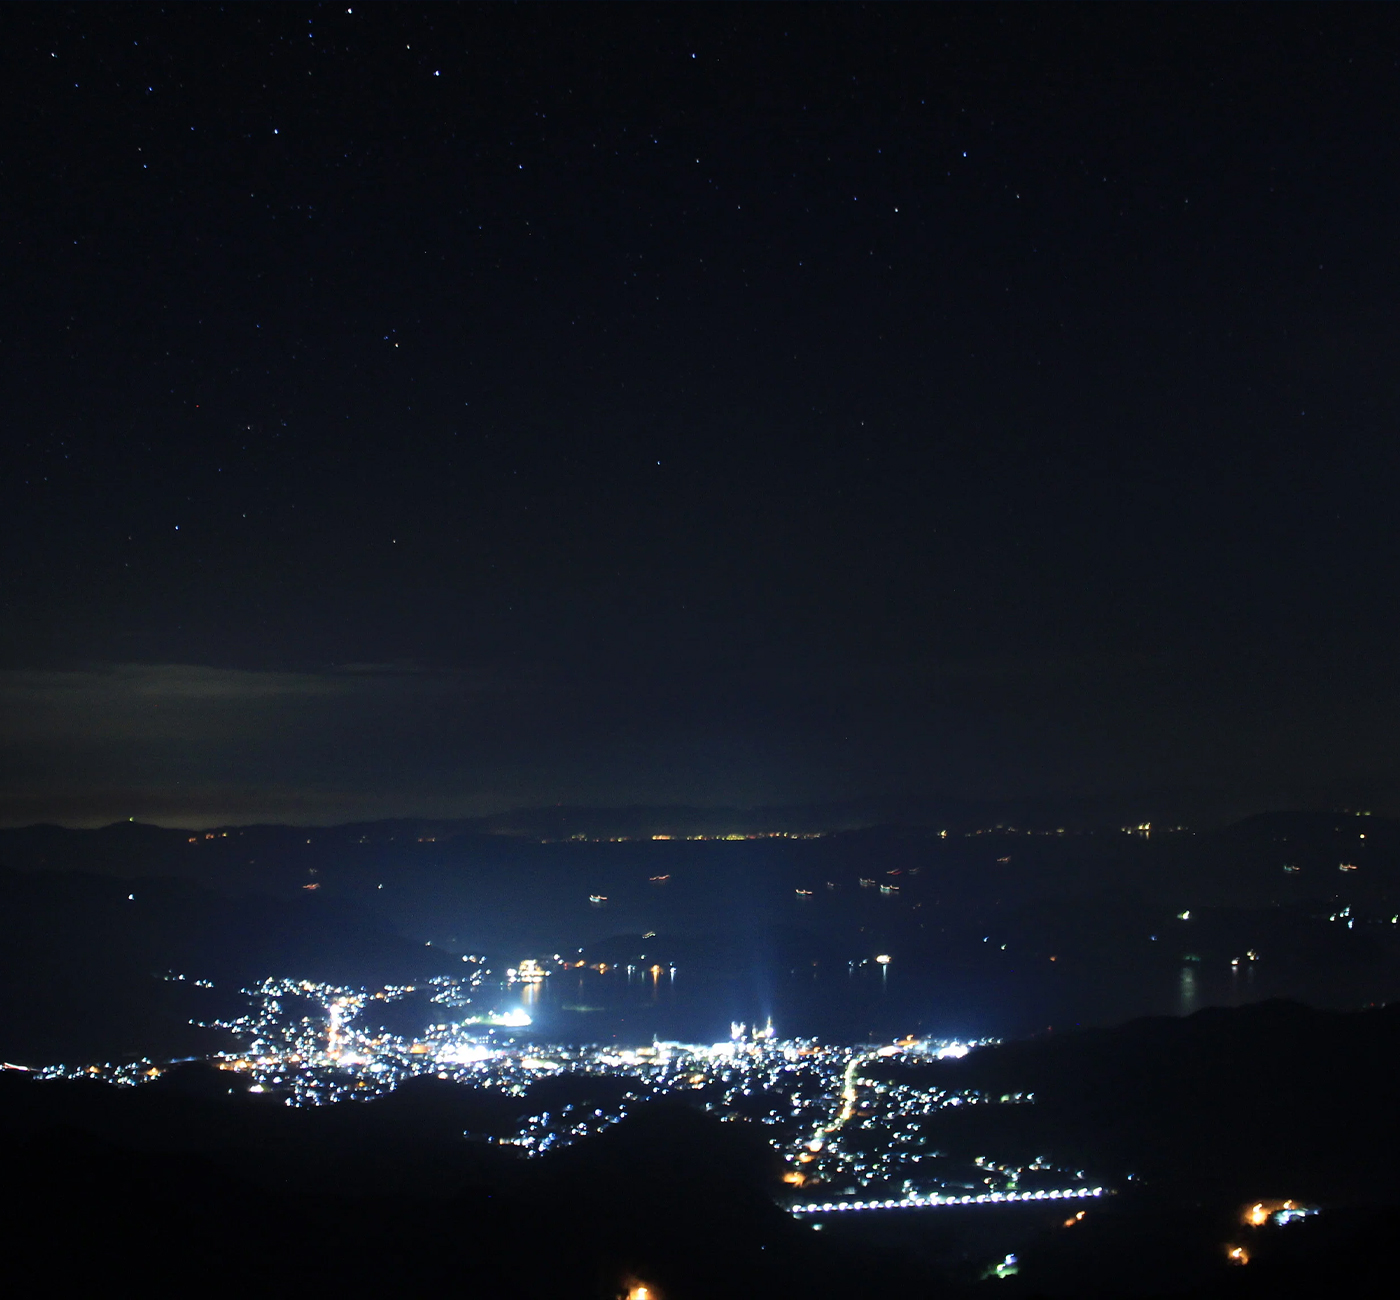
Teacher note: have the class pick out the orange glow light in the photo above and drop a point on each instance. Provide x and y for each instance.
(1258, 1214)
(1237, 1254)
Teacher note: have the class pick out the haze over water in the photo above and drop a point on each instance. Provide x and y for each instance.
(876, 1004)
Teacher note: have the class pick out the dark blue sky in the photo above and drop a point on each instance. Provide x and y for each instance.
(440, 408)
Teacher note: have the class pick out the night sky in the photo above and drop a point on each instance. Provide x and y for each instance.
(430, 410)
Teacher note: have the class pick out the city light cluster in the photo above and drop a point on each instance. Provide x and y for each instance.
(852, 1120)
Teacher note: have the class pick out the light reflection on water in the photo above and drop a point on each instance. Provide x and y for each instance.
(1188, 991)
(698, 1003)
(876, 1004)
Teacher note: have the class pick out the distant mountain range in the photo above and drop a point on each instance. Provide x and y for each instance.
(1200, 810)
(1265, 859)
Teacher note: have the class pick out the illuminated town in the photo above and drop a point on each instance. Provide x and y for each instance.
(850, 1138)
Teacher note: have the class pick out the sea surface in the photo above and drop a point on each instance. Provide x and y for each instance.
(873, 1003)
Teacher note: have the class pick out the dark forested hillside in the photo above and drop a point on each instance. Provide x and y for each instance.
(184, 1176)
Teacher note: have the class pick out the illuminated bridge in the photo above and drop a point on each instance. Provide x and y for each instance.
(935, 1201)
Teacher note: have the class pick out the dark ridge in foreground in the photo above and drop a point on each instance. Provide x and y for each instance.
(187, 1178)
(1231, 1103)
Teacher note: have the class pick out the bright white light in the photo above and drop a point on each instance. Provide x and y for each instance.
(465, 1054)
(935, 1200)
(516, 1019)
(953, 1050)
